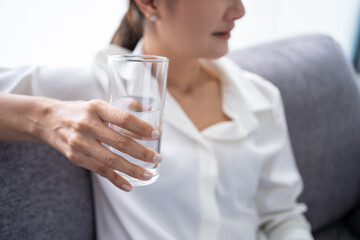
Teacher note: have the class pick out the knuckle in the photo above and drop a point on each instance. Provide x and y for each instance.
(94, 104)
(82, 125)
(145, 155)
(149, 154)
(72, 156)
(123, 142)
(115, 178)
(74, 142)
(133, 171)
(110, 160)
(125, 117)
(79, 126)
(91, 107)
(102, 171)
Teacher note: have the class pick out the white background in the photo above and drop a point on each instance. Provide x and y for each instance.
(70, 32)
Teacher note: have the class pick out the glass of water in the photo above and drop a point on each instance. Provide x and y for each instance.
(137, 84)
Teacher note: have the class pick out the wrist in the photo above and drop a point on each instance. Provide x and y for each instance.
(22, 117)
(39, 121)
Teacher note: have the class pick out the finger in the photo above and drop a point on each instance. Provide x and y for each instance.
(116, 116)
(123, 131)
(114, 161)
(104, 171)
(125, 144)
(135, 105)
(132, 104)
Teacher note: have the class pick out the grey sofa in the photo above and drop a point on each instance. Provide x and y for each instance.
(43, 196)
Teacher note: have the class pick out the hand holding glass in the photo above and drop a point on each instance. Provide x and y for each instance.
(137, 85)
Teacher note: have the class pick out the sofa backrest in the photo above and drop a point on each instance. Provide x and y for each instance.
(322, 105)
(43, 195)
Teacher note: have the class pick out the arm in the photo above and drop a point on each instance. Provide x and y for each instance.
(75, 128)
(281, 217)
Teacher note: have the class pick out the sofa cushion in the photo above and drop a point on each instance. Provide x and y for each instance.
(322, 103)
(43, 195)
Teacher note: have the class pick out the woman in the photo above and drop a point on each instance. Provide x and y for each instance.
(228, 170)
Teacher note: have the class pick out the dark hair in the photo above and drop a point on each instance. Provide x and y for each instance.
(131, 28)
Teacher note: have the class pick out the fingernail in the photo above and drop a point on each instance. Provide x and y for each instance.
(155, 134)
(148, 175)
(157, 158)
(126, 187)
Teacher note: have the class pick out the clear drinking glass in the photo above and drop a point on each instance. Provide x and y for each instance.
(137, 85)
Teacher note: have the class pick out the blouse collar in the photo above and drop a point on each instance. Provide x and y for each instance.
(237, 105)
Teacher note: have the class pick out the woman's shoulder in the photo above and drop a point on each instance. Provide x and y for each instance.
(99, 65)
(101, 56)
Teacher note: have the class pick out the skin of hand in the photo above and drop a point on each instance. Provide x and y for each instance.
(77, 129)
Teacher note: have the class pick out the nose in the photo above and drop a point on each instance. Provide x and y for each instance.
(236, 10)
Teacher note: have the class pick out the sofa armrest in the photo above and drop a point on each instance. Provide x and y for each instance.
(43, 195)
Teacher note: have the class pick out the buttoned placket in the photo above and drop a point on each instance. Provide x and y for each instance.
(208, 168)
(243, 122)
(210, 221)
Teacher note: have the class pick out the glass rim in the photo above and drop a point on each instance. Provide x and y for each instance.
(137, 58)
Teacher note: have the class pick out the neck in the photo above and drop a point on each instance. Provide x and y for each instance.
(183, 75)
(184, 72)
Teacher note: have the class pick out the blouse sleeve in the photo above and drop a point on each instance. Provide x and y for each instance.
(60, 83)
(78, 83)
(281, 217)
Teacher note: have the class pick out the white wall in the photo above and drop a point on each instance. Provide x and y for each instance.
(68, 32)
(268, 20)
(56, 32)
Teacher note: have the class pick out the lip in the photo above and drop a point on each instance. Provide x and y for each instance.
(222, 35)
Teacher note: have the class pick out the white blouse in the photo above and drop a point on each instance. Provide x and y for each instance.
(233, 180)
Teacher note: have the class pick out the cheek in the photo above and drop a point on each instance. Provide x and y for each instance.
(185, 34)
(199, 17)
(189, 30)
(198, 28)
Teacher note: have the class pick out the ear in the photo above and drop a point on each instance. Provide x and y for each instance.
(148, 7)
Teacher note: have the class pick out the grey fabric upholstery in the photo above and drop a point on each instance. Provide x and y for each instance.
(354, 220)
(336, 231)
(322, 104)
(43, 195)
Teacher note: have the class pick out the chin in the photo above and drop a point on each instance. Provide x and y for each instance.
(218, 52)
